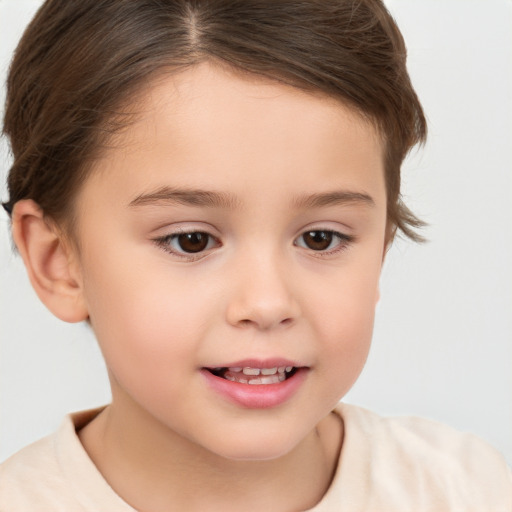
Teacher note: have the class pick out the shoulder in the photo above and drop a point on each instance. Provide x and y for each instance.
(55, 474)
(425, 464)
(31, 476)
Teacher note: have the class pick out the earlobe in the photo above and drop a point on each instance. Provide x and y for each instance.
(49, 261)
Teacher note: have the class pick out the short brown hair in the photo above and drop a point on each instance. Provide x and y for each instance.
(79, 61)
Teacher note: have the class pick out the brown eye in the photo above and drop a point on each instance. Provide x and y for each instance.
(318, 240)
(189, 245)
(324, 241)
(193, 242)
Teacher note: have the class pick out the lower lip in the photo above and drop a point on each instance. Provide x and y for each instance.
(256, 396)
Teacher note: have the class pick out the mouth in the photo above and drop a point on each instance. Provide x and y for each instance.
(256, 383)
(253, 375)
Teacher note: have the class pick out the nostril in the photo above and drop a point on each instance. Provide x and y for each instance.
(262, 324)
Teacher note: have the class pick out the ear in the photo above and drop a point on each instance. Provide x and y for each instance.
(389, 237)
(50, 262)
(388, 242)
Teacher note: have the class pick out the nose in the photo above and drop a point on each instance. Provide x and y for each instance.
(261, 295)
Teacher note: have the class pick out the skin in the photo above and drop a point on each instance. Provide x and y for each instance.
(258, 290)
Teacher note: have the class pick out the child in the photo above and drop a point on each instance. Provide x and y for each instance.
(213, 187)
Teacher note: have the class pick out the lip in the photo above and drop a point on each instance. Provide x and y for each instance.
(257, 396)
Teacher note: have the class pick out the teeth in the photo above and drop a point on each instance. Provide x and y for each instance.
(271, 379)
(256, 375)
(258, 371)
(251, 371)
(268, 379)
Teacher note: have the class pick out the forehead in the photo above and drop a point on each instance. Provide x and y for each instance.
(210, 127)
(209, 96)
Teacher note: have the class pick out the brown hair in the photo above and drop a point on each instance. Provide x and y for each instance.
(79, 61)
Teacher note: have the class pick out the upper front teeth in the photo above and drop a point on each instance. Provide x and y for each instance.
(261, 371)
(251, 371)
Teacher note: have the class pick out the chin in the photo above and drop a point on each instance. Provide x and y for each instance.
(247, 447)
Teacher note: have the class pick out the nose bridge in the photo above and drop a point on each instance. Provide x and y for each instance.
(262, 294)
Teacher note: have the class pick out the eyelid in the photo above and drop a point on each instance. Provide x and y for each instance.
(179, 227)
(163, 241)
(345, 241)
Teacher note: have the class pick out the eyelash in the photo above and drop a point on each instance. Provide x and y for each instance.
(343, 242)
(164, 242)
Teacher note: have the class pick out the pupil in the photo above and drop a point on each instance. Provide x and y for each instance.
(193, 242)
(318, 240)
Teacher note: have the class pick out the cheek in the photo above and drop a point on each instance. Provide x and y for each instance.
(142, 318)
(344, 321)
(346, 343)
(147, 336)
(347, 333)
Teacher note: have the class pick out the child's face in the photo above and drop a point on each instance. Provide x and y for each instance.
(266, 173)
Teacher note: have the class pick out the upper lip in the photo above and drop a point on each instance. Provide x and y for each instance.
(258, 363)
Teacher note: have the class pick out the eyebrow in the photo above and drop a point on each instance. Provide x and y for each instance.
(212, 199)
(335, 198)
(187, 197)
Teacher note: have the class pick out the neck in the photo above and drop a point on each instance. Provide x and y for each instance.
(153, 468)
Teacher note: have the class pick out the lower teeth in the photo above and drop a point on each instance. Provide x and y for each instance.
(238, 375)
(273, 379)
(242, 378)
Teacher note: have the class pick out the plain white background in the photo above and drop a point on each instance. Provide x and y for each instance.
(443, 336)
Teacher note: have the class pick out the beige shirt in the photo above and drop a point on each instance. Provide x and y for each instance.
(386, 465)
